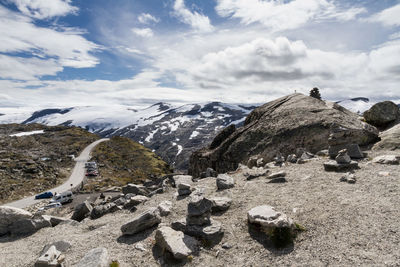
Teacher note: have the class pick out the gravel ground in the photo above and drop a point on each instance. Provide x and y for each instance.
(347, 224)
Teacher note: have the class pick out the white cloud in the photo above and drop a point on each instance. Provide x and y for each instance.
(44, 9)
(146, 18)
(282, 15)
(196, 20)
(394, 36)
(26, 68)
(388, 17)
(143, 32)
(67, 46)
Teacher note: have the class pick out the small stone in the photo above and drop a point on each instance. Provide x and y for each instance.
(220, 203)
(226, 246)
(202, 219)
(211, 173)
(277, 180)
(165, 208)
(384, 173)
(212, 232)
(292, 158)
(140, 247)
(224, 181)
(134, 201)
(343, 157)
(349, 178)
(323, 153)
(277, 174)
(254, 173)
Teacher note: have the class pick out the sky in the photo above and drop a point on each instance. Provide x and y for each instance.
(63, 53)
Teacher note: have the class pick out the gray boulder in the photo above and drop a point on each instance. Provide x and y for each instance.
(254, 172)
(198, 205)
(135, 189)
(382, 113)
(353, 150)
(61, 246)
(224, 181)
(29, 226)
(267, 217)
(176, 242)
(142, 222)
(10, 215)
(81, 211)
(97, 257)
(220, 203)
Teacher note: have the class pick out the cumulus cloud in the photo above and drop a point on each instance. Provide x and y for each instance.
(44, 9)
(196, 20)
(282, 15)
(146, 18)
(388, 17)
(143, 32)
(67, 46)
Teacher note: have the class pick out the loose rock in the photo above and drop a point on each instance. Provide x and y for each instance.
(81, 211)
(220, 203)
(9, 215)
(97, 257)
(387, 159)
(135, 189)
(176, 242)
(142, 222)
(224, 181)
(165, 208)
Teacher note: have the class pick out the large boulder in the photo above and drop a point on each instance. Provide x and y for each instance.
(29, 226)
(81, 211)
(176, 242)
(382, 113)
(142, 222)
(390, 139)
(10, 215)
(278, 128)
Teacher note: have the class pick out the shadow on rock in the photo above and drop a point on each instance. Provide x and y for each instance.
(165, 258)
(132, 239)
(256, 232)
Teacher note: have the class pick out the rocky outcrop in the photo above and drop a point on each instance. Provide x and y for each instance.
(11, 215)
(279, 128)
(390, 139)
(382, 113)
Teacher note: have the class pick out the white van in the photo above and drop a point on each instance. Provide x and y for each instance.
(65, 197)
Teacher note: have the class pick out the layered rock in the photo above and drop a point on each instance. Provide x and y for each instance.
(390, 139)
(278, 128)
(142, 222)
(176, 242)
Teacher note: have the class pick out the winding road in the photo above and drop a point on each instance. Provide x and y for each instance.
(77, 176)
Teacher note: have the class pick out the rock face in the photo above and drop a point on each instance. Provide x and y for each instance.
(278, 128)
(390, 139)
(382, 113)
(97, 257)
(10, 215)
(176, 242)
(142, 222)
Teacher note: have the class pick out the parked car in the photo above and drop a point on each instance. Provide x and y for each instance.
(50, 206)
(65, 197)
(44, 195)
(92, 173)
(91, 164)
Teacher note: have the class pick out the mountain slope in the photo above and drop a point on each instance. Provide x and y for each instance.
(173, 132)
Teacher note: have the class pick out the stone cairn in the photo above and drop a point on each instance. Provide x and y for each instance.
(198, 222)
(342, 162)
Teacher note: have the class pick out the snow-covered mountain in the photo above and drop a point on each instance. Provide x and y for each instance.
(172, 131)
(357, 104)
